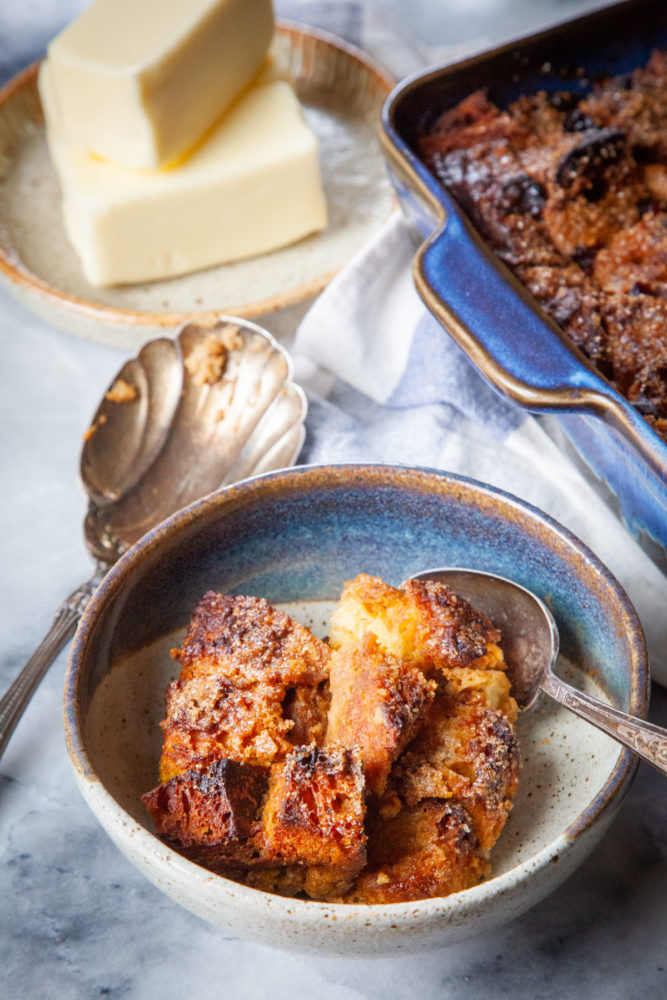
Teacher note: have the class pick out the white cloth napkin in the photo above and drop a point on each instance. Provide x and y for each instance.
(386, 384)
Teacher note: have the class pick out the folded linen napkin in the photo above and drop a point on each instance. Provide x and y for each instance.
(386, 384)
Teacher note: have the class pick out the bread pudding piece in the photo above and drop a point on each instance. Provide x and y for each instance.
(423, 623)
(474, 121)
(377, 705)
(427, 851)
(314, 817)
(573, 301)
(466, 752)
(639, 333)
(240, 661)
(449, 632)
(212, 816)
(403, 795)
(594, 191)
(632, 271)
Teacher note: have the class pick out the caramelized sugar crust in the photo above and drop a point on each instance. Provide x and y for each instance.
(423, 623)
(240, 662)
(380, 772)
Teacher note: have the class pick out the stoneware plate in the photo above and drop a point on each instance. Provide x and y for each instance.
(341, 91)
(293, 537)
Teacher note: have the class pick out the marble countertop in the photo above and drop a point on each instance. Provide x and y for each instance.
(76, 919)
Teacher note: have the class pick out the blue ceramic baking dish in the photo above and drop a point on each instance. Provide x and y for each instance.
(498, 324)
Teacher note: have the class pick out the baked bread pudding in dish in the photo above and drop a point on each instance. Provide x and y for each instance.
(376, 767)
(571, 193)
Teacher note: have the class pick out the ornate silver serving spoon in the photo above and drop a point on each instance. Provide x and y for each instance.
(530, 644)
(183, 418)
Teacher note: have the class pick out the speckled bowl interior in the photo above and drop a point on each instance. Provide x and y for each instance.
(294, 537)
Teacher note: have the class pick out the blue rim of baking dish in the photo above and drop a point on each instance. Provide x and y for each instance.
(489, 314)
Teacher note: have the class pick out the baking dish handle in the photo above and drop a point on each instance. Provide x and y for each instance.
(494, 320)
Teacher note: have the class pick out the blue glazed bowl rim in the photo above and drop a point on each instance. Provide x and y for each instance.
(343, 475)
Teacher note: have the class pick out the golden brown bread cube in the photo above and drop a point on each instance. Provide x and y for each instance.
(246, 638)
(429, 850)
(468, 753)
(450, 633)
(239, 661)
(367, 604)
(213, 815)
(377, 704)
(314, 816)
(423, 623)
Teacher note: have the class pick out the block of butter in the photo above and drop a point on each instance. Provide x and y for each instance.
(139, 82)
(252, 186)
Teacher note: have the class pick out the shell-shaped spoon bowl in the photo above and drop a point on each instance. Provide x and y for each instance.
(185, 416)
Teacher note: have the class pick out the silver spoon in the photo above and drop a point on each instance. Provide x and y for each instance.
(187, 415)
(530, 643)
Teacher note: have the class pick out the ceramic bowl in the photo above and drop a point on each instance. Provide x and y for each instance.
(293, 537)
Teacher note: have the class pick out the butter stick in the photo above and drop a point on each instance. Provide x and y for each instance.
(139, 82)
(252, 186)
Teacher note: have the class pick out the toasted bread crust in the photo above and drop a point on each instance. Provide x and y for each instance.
(424, 623)
(314, 816)
(211, 815)
(427, 851)
(239, 660)
(450, 632)
(247, 640)
(377, 704)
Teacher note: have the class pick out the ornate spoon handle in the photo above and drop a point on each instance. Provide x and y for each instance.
(646, 740)
(15, 700)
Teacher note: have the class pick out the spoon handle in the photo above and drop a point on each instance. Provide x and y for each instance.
(63, 627)
(646, 740)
